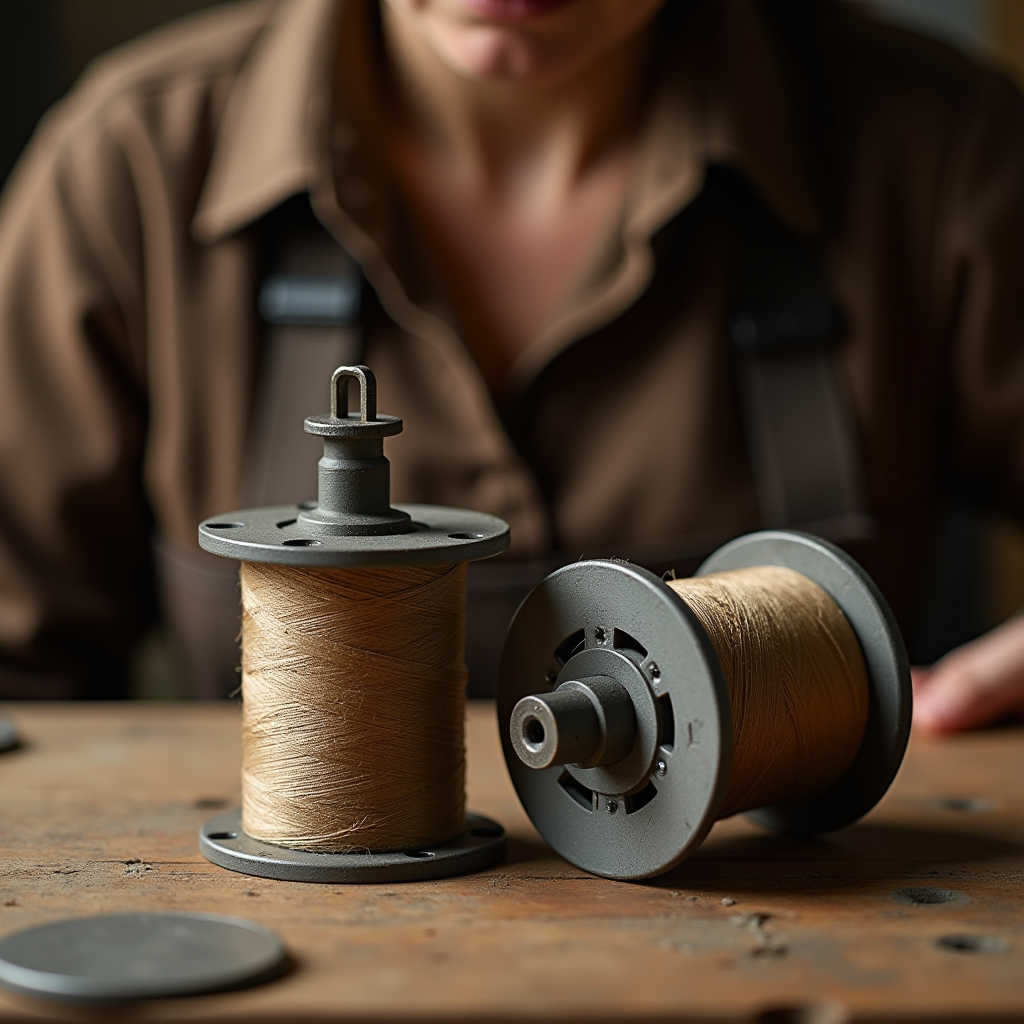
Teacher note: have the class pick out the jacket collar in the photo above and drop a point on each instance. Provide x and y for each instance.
(275, 138)
(725, 98)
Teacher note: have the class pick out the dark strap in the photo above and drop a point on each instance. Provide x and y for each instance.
(787, 333)
(310, 302)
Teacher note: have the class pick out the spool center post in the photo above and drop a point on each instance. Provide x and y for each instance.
(586, 722)
(354, 476)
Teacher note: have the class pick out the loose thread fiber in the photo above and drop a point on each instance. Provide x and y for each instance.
(353, 685)
(796, 679)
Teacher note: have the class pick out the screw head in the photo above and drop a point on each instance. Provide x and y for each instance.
(655, 671)
(661, 768)
(613, 806)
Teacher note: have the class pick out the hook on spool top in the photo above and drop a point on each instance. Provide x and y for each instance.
(353, 522)
(603, 656)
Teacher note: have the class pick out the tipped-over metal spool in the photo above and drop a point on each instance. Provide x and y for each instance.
(353, 524)
(615, 717)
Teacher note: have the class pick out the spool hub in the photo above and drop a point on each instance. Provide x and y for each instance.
(596, 630)
(353, 524)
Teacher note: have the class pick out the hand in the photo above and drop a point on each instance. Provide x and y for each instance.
(974, 685)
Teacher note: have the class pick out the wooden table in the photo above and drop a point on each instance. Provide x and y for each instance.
(99, 812)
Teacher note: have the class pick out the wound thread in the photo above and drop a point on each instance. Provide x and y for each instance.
(796, 678)
(354, 692)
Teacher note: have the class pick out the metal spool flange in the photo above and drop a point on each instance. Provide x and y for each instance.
(889, 710)
(222, 841)
(641, 814)
(353, 524)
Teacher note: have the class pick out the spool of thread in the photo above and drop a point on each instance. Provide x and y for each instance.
(338, 667)
(797, 683)
(774, 682)
(353, 679)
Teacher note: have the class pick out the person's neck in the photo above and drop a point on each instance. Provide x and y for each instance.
(499, 137)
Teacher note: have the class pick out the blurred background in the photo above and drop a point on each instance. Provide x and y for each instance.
(977, 574)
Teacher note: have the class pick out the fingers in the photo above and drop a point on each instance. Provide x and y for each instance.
(974, 685)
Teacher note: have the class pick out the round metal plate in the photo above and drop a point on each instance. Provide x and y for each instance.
(616, 606)
(8, 735)
(139, 956)
(277, 535)
(888, 727)
(222, 841)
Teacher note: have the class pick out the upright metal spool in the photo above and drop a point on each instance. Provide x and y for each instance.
(615, 718)
(353, 524)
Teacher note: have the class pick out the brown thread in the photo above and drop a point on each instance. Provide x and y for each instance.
(353, 685)
(796, 679)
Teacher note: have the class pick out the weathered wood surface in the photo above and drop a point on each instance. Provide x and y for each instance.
(100, 808)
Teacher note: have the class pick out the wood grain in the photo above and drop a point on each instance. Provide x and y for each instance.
(99, 812)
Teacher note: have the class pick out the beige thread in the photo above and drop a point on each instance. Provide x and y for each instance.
(353, 684)
(796, 679)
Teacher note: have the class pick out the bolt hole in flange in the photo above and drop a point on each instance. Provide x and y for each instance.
(300, 542)
(971, 944)
(465, 536)
(286, 522)
(224, 526)
(222, 835)
(420, 854)
(926, 896)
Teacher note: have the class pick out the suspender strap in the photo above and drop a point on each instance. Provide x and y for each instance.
(786, 332)
(310, 302)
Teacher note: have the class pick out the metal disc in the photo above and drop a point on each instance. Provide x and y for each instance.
(222, 841)
(888, 726)
(277, 535)
(139, 956)
(8, 735)
(604, 606)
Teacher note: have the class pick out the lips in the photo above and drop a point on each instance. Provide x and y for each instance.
(515, 10)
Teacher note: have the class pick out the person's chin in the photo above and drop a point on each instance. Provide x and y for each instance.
(514, 10)
(491, 53)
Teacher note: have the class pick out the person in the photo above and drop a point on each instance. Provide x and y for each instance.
(551, 203)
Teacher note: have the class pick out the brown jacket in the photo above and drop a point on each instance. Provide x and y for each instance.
(130, 259)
